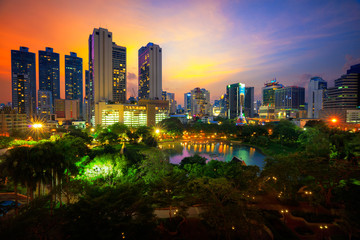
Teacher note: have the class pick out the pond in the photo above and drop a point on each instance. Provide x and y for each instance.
(221, 151)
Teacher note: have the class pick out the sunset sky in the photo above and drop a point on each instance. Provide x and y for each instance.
(207, 43)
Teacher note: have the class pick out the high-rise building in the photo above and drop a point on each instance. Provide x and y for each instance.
(45, 108)
(235, 100)
(249, 102)
(100, 69)
(87, 97)
(49, 75)
(170, 97)
(346, 93)
(119, 73)
(316, 93)
(268, 92)
(67, 110)
(73, 77)
(150, 72)
(292, 97)
(200, 102)
(187, 102)
(23, 77)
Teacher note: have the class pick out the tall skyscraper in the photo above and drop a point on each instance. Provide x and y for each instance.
(269, 92)
(49, 75)
(119, 73)
(87, 112)
(74, 79)
(100, 69)
(346, 93)
(316, 93)
(150, 72)
(235, 100)
(187, 102)
(249, 102)
(290, 98)
(23, 78)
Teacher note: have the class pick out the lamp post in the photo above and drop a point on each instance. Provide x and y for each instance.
(323, 228)
(284, 212)
(37, 128)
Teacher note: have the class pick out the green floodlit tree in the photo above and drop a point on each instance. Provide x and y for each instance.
(102, 170)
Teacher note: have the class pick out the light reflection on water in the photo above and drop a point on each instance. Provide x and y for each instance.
(214, 150)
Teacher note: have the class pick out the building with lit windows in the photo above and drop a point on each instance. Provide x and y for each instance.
(49, 74)
(170, 97)
(74, 78)
(11, 121)
(342, 101)
(235, 100)
(187, 102)
(268, 92)
(45, 108)
(23, 81)
(146, 113)
(249, 102)
(150, 72)
(88, 90)
(200, 102)
(316, 93)
(100, 70)
(290, 102)
(119, 73)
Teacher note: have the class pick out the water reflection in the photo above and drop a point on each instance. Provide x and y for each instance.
(213, 150)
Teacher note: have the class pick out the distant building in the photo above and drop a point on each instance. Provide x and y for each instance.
(88, 92)
(200, 102)
(67, 110)
(150, 72)
(146, 113)
(170, 97)
(74, 79)
(316, 93)
(290, 102)
(187, 102)
(45, 108)
(249, 102)
(23, 78)
(235, 100)
(119, 73)
(11, 121)
(49, 74)
(268, 92)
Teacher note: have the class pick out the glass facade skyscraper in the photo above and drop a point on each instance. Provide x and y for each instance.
(74, 78)
(23, 81)
(119, 73)
(49, 75)
(150, 72)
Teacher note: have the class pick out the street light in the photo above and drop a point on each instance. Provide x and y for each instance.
(283, 212)
(323, 228)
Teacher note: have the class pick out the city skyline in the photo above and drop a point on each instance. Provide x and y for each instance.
(208, 46)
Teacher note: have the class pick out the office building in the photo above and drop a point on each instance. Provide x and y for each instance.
(235, 100)
(346, 93)
(170, 97)
(74, 78)
(150, 72)
(11, 121)
(86, 108)
(316, 93)
(49, 75)
(119, 73)
(200, 102)
(23, 81)
(45, 109)
(67, 110)
(187, 102)
(249, 102)
(292, 97)
(100, 70)
(268, 92)
(146, 113)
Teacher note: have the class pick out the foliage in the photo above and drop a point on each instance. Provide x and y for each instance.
(5, 141)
